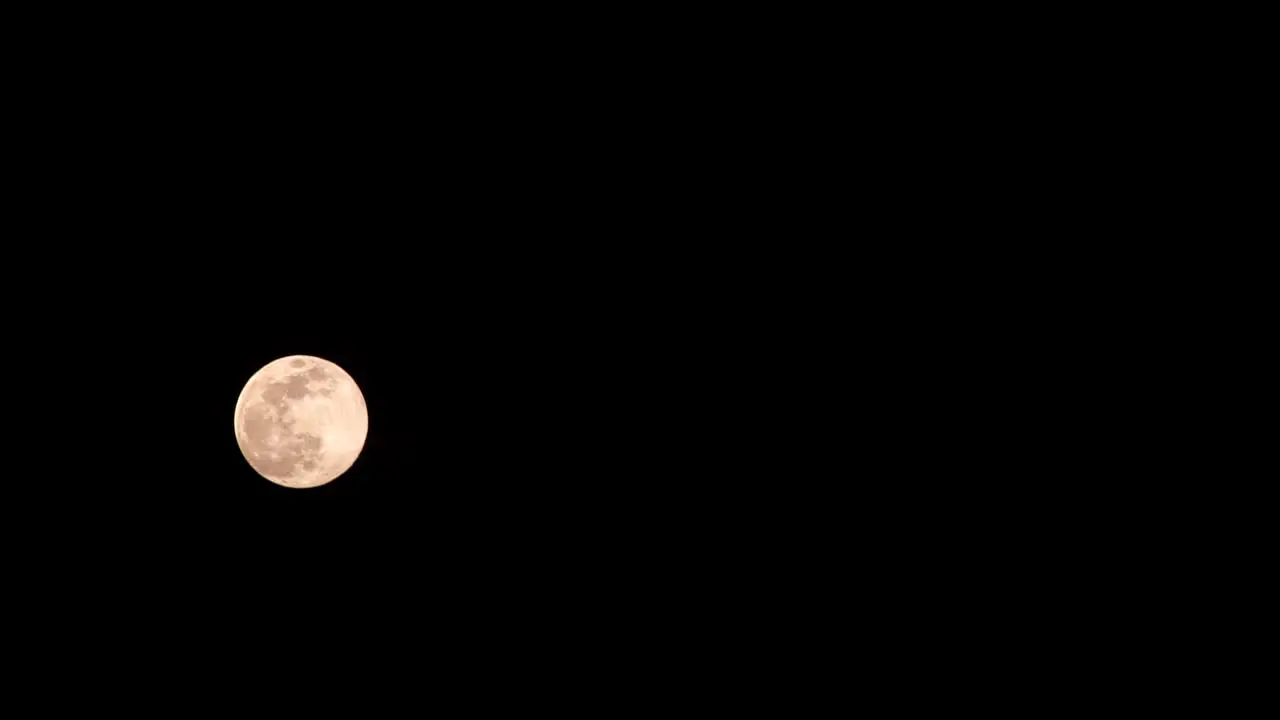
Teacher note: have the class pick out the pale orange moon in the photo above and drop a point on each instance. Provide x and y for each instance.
(301, 421)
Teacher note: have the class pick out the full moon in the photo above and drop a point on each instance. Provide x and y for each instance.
(301, 421)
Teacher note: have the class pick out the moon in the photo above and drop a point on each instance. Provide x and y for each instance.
(301, 421)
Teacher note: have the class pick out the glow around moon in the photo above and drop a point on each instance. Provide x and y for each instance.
(301, 421)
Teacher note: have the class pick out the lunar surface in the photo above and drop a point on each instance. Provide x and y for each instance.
(301, 421)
